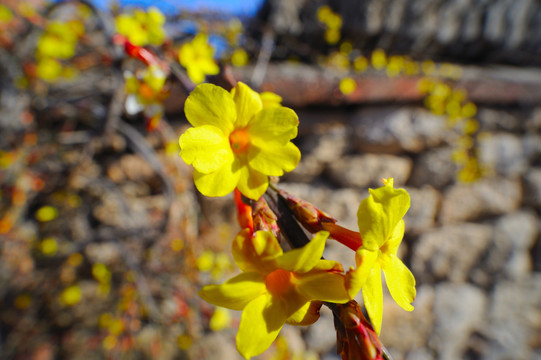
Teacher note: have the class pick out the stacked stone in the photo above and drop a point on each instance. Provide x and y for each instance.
(493, 31)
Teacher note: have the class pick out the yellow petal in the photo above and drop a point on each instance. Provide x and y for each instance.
(274, 162)
(257, 252)
(373, 298)
(380, 213)
(306, 315)
(209, 67)
(195, 73)
(252, 183)
(324, 286)
(218, 183)
(236, 292)
(273, 126)
(355, 279)
(248, 103)
(329, 265)
(306, 258)
(211, 105)
(400, 282)
(206, 148)
(270, 99)
(261, 321)
(396, 238)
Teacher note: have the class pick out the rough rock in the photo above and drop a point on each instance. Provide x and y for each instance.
(327, 141)
(367, 170)
(503, 154)
(395, 130)
(531, 144)
(320, 336)
(450, 252)
(308, 169)
(488, 196)
(434, 167)
(514, 320)
(533, 122)
(518, 231)
(459, 310)
(405, 331)
(422, 214)
(498, 120)
(532, 187)
(508, 255)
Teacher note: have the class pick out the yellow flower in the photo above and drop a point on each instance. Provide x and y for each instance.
(142, 28)
(196, 57)
(236, 141)
(347, 85)
(382, 228)
(60, 39)
(276, 287)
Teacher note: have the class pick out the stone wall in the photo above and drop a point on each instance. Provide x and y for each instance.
(475, 249)
(495, 31)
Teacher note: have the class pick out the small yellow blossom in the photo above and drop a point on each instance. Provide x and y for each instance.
(146, 91)
(220, 320)
(236, 142)
(360, 64)
(196, 57)
(276, 287)
(46, 213)
(71, 295)
(49, 246)
(5, 14)
(142, 28)
(379, 59)
(382, 228)
(239, 57)
(347, 85)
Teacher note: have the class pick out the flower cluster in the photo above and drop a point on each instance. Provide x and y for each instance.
(142, 28)
(237, 141)
(146, 93)
(57, 43)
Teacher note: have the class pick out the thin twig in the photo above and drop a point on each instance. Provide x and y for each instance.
(263, 58)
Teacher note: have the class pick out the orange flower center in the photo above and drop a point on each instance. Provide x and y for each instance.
(279, 282)
(239, 140)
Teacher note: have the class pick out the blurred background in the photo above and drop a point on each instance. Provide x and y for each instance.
(104, 241)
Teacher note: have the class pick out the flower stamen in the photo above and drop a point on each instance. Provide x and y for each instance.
(239, 140)
(279, 282)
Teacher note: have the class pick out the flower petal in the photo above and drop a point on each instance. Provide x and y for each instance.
(260, 323)
(211, 105)
(196, 75)
(276, 161)
(220, 182)
(257, 252)
(396, 238)
(273, 126)
(236, 292)
(380, 213)
(306, 315)
(206, 148)
(355, 279)
(324, 286)
(400, 282)
(304, 259)
(248, 103)
(252, 183)
(373, 298)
